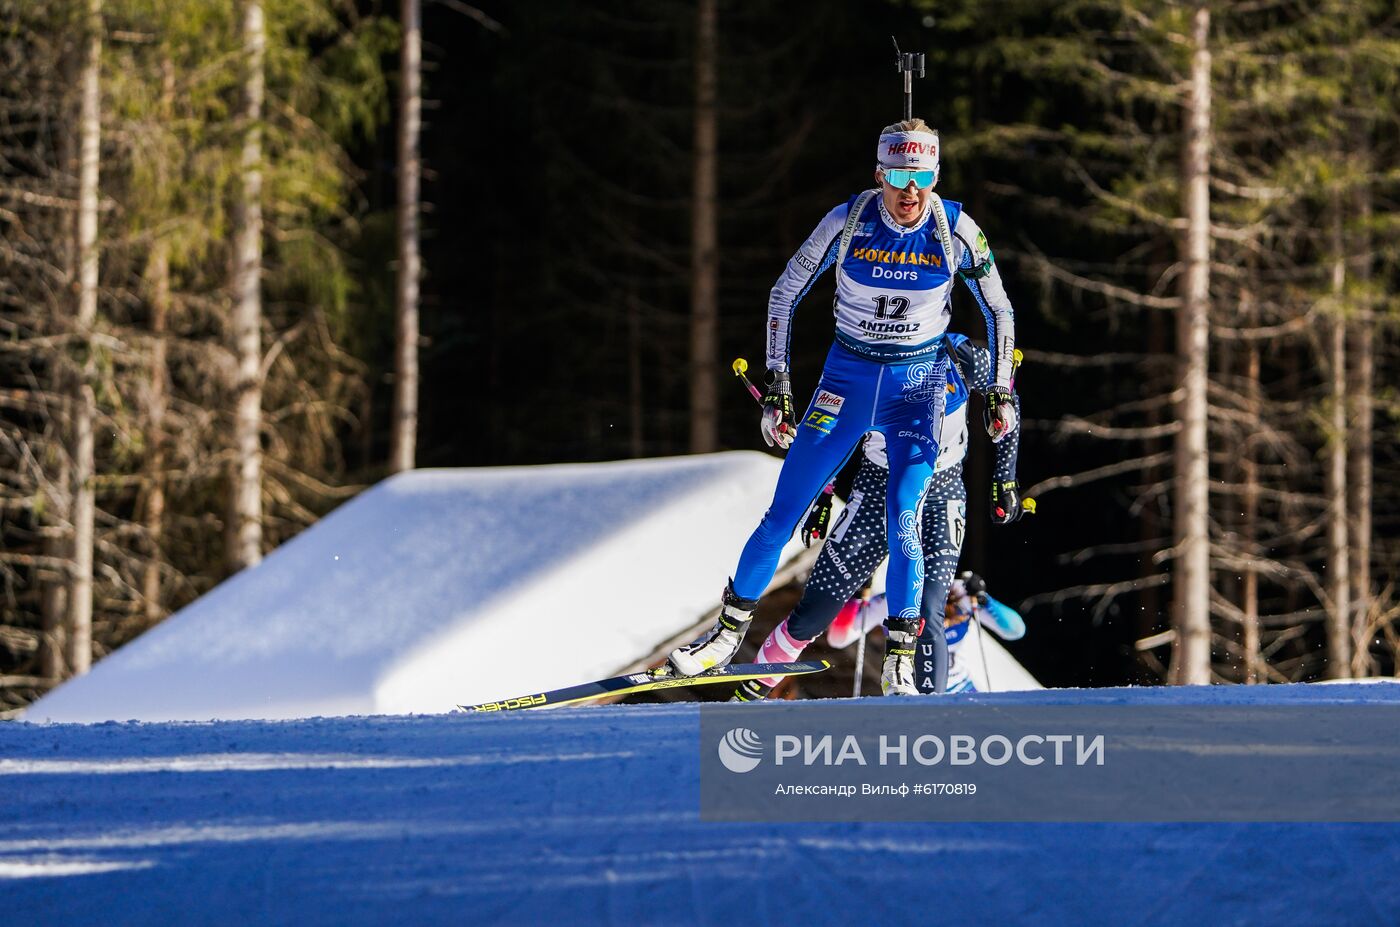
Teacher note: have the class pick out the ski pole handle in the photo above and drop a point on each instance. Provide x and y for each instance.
(740, 367)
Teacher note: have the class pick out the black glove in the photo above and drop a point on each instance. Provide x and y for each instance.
(999, 413)
(1006, 502)
(818, 520)
(975, 585)
(779, 424)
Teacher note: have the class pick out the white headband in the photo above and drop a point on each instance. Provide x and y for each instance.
(915, 150)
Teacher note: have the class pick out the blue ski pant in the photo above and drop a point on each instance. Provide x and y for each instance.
(904, 400)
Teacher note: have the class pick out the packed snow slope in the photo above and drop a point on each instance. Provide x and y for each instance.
(589, 816)
(442, 587)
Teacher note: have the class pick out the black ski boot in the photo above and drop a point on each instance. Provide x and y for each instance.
(750, 690)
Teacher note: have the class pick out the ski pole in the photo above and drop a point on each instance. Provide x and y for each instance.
(860, 657)
(1028, 503)
(860, 641)
(982, 649)
(741, 367)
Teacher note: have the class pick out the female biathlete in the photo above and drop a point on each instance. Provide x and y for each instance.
(896, 250)
(857, 543)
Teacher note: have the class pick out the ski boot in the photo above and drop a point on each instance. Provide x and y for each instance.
(750, 690)
(902, 635)
(718, 646)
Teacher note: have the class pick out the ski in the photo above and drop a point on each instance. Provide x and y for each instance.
(648, 682)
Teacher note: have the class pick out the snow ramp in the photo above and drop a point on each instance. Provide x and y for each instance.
(441, 587)
(590, 816)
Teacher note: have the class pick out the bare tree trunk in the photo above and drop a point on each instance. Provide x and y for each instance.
(246, 548)
(704, 253)
(159, 281)
(1359, 479)
(1338, 572)
(58, 544)
(1249, 506)
(405, 428)
(53, 642)
(1191, 592)
(155, 463)
(85, 404)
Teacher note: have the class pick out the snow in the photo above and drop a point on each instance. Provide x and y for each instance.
(591, 816)
(440, 587)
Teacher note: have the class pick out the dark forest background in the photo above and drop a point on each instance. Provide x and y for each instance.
(557, 257)
(556, 223)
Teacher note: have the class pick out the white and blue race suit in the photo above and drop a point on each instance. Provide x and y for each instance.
(886, 372)
(989, 613)
(857, 543)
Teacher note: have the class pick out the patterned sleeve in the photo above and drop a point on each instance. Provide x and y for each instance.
(1008, 448)
(975, 362)
(817, 253)
(978, 270)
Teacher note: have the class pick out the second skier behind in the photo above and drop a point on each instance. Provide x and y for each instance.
(967, 601)
(896, 251)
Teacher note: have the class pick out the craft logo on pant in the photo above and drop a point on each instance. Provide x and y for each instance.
(740, 750)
